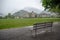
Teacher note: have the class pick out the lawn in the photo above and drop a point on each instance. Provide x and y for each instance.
(14, 23)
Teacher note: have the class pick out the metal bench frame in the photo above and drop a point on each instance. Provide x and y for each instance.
(37, 26)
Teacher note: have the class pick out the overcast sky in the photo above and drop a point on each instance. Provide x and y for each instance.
(10, 6)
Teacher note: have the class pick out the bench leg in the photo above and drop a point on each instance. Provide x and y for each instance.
(35, 33)
(51, 29)
(32, 32)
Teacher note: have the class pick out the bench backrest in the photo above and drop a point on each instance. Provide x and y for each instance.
(49, 24)
(42, 25)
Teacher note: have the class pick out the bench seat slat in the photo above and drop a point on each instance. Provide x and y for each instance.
(42, 25)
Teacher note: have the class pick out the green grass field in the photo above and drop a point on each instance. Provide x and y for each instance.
(14, 23)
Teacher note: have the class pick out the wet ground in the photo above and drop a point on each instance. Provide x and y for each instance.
(25, 34)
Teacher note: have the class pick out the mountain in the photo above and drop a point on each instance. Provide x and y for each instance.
(27, 10)
(20, 13)
(30, 9)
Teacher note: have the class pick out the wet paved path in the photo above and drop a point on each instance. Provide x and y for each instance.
(25, 34)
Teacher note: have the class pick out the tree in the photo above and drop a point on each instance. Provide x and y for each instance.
(52, 5)
(1, 17)
(9, 16)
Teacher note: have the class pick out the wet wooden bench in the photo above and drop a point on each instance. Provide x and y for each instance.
(43, 25)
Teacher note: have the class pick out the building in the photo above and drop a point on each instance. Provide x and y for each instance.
(44, 15)
(32, 14)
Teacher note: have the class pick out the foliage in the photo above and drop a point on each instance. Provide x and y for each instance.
(9, 16)
(52, 5)
(1, 17)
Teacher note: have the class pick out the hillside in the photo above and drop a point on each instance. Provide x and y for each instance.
(20, 13)
(26, 10)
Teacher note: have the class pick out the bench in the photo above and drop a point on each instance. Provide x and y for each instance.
(43, 25)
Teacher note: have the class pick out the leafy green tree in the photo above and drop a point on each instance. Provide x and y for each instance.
(1, 17)
(9, 16)
(52, 5)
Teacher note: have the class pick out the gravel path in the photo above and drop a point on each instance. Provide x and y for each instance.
(25, 34)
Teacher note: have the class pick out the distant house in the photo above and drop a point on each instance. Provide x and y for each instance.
(47, 14)
(17, 17)
(43, 14)
(29, 15)
(54, 15)
(24, 14)
(32, 14)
